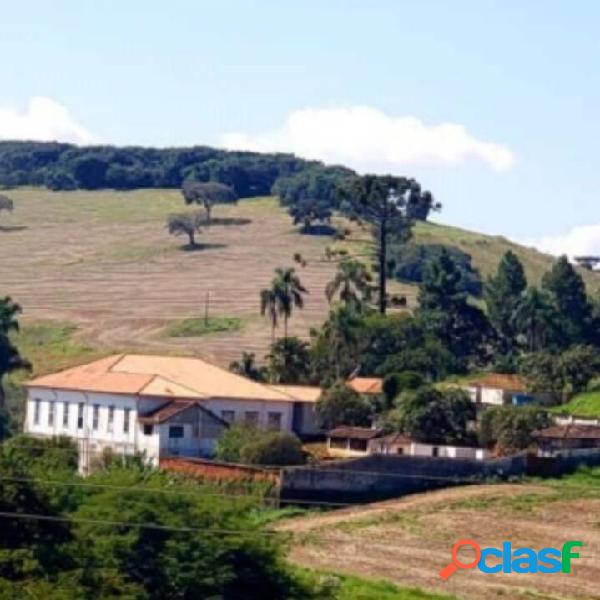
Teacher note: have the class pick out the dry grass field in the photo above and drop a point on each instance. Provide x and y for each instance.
(408, 541)
(104, 261)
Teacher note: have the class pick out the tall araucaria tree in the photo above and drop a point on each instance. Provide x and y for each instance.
(383, 202)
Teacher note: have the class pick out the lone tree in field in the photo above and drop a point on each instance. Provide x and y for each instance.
(383, 202)
(10, 359)
(6, 203)
(207, 193)
(307, 211)
(279, 299)
(186, 224)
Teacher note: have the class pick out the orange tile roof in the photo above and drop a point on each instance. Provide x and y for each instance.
(302, 393)
(170, 409)
(366, 385)
(572, 432)
(175, 377)
(501, 381)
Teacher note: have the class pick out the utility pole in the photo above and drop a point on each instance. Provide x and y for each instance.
(206, 306)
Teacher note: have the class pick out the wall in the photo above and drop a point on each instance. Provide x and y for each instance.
(377, 477)
(263, 407)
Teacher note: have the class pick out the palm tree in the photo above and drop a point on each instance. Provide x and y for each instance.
(534, 318)
(278, 300)
(247, 367)
(8, 315)
(351, 281)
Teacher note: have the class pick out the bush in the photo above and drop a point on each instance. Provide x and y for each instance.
(339, 405)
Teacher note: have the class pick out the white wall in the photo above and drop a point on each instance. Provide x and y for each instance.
(263, 407)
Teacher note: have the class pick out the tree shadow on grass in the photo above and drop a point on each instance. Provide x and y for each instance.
(11, 228)
(201, 247)
(318, 230)
(229, 221)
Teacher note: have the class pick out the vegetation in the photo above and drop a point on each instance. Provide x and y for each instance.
(340, 405)
(352, 283)
(509, 429)
(247, 444)
(585, 404)
(6, 203)
(247, 367)
(288, 361)
(119, 533)
(195, 327)
(281, 297)
(307, 212)
(207, 194)
(186, 224)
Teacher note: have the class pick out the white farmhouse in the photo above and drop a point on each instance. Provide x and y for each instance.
(159, 406)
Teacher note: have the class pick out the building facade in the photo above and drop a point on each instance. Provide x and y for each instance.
(159, 406)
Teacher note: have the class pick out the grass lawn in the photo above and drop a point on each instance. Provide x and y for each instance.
(346, 587)
(586, 404)
(200, 326)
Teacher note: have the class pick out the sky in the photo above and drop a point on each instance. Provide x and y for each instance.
(493, 106)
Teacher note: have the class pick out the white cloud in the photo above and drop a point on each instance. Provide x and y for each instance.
(44, 120)
(579, 241)
(366, 138)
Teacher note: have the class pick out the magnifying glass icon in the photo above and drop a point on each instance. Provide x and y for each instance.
(456, 564)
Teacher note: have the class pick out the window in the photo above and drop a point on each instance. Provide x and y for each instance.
(95, 417)
(148, 429)
(400, 450)
(251, 417)
(358, 445)
(435, 451)
(176, 431)
(126, 419)
(111, 418)
(339, 443)
(228, 415)
(274, 421)
(50, 414)
(66, 414)
(36, 411)
(80, 415)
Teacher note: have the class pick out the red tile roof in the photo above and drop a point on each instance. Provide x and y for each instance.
(366, 385)
(357, 433)
(501, 381)
(572, 432)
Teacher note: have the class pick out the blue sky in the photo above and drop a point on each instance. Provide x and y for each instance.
(368, 83)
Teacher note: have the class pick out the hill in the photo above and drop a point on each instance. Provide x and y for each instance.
(103, 262)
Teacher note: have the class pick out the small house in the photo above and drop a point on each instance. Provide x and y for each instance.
(497, 389)
(347, 442)
(565, 440)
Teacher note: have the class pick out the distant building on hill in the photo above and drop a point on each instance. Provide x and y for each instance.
(159, 406)
(497, 389)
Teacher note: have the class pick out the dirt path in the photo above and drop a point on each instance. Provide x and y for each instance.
(408, 541)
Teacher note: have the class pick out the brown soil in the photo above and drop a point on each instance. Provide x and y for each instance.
(408, 541)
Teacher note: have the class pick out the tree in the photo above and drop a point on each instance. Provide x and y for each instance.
(307, 211)
(382, 202)
(352, 283)
(534, 320)
(436, 416)
(509, 429)
(6, 203)
(340, 405)
(543, 374)
(567, 292)
(289, 361)
(186, 224)
(285, 292)
(502, 295)
(273, 448)
(247, 367)
(396, 383)
(208, 194)
(447, 315)
(10, 358)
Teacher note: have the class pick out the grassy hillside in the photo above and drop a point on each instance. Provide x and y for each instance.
(103, 265)
(586, 404)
